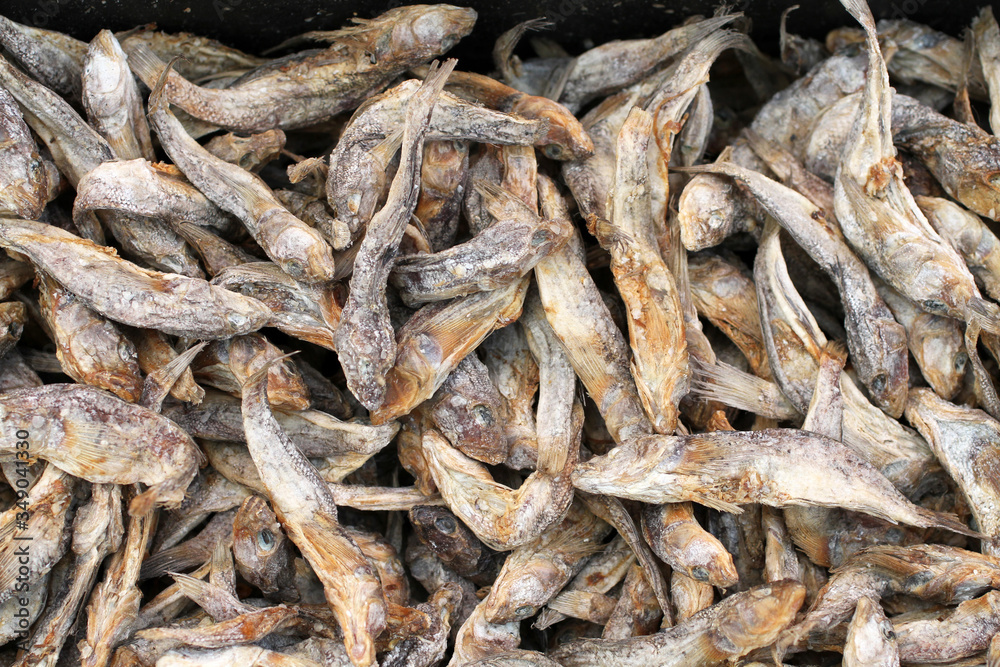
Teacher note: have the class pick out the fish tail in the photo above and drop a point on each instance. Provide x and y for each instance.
(986, 314)
(146, 64)
(931, 519)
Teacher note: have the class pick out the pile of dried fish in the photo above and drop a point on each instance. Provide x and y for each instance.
(394, 363)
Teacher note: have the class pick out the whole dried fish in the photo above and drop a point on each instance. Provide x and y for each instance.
(929, 572)
(126, 293)
(91, 349)
(730, 629)
(589, 337)
(111, 99)
(94, 435)
(297, 248)
(776, 467)
(148, 189)
(495, 257)
(871, 640)
(366, 343)
(28, 181)
(655, 317)
(311, 86)
(306, 509)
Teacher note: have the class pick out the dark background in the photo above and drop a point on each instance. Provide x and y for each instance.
(254, 25)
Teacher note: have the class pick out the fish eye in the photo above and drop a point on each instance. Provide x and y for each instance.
(699, 573)
(960, 360)
(889, 633)
(554, 152)
(539, 237)
(932, 305)
(265, 540)
(524, 611)
(879, 383)
(445, 524)
(483, 415)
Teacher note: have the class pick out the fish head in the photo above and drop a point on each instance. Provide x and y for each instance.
(536, 581)
(263, 552)
(421, 32)
(758, 616)
(440, 529)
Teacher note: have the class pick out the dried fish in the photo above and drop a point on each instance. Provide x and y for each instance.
(114, 604)
(963, 633)
(871, 640)
(111, 99)
(29, 181)
(776, 467)
(936, 342)
(126, 293)
(566, 138)
(227, 364)
(262, 551)
(730, 629)
(47, 525)
(55, 59)
(312, 86)
(679, 541)
(929, 572)
(588, 336)
(307, 511)
(655, 317)
(310, 312)
(148, 189)
(366, 343)
(877, 342)
(451, 541)
(94, 435)
(297, 248)
(443, 177)
(436, 339)
(961, 438)
(91, 349)
(495, 257)
(358, 165)
(250, 153)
